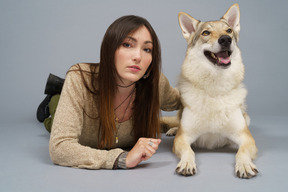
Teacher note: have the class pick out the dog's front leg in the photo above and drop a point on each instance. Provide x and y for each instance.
(244, 167)
(182, 149)
(247, 151)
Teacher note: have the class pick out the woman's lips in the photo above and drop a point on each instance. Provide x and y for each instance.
(134, 68)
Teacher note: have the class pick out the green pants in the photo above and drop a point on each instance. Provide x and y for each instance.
(52, 109)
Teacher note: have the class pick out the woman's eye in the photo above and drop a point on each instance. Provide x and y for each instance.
(205, 33)
(148, 50)
(126, 45)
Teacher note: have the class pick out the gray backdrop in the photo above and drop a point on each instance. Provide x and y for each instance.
(38, 37)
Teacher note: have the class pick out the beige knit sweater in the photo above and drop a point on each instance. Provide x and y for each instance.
(74, 135)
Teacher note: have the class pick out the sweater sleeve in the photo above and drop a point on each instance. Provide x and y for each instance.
(64, 147)
(169, 96)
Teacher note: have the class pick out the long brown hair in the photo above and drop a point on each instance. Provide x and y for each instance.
(146, 103)
(146, 109)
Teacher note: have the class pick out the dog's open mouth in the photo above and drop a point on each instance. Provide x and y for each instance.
(221, 59)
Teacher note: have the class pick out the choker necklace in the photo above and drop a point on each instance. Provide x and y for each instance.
(126, 86)
(116, 119)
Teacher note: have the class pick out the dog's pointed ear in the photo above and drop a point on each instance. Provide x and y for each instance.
(188, 24)
(232, 17)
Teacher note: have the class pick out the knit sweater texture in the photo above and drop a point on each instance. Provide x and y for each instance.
(74, 134)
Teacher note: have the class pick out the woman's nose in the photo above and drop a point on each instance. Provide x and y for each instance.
(137, 56)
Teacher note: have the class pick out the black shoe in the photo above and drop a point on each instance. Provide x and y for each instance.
(54, 85)
(43, 109)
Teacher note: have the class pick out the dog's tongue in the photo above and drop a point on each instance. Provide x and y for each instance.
(223, 58)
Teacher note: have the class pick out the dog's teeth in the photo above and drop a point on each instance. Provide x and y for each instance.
(213, 55)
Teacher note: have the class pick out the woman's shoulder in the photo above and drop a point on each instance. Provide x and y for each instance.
(83, 70)
(163, 81)
(85, 67)
(83, 73)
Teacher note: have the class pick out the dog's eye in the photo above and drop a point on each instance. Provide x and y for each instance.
(205, 33)
(229, 31)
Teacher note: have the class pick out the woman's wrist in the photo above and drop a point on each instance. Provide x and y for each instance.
(120, 162)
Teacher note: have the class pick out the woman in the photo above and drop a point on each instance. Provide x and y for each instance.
(107, 107)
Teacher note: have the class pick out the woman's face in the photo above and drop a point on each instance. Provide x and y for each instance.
(134, 56)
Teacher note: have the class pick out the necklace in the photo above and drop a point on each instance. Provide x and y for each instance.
(116, 119)
(126, 86)
(124, 100)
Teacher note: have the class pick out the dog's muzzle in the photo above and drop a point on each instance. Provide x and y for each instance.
(221, 58)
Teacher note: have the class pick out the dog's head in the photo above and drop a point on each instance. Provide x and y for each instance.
(216, 39)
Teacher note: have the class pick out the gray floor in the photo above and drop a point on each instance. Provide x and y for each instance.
(25, 165)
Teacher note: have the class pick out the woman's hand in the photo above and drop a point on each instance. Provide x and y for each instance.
(142, 150)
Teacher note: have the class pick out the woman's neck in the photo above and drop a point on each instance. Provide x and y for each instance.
(123, 103)
(124, 92)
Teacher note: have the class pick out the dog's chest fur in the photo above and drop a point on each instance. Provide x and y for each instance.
(214, 110)
(212, 97)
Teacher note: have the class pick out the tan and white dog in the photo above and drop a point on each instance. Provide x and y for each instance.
(212, 94)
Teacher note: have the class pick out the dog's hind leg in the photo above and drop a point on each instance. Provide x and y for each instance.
(182, 149)
(172, 131)
(169, 125)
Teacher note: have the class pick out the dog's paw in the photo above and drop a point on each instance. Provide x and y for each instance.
(186, 168)
(172, 131)
(246, 170)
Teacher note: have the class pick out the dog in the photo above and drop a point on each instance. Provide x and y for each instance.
(212, 94)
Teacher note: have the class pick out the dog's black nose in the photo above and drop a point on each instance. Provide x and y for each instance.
(225, 40)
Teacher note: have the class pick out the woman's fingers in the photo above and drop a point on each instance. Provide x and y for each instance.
(154, 143)
(151, 147)
(144, 149)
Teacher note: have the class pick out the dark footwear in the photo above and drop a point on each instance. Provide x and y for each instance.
(54, 85)
(43, 109)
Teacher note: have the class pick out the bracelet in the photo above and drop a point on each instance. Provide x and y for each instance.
(121, 160)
